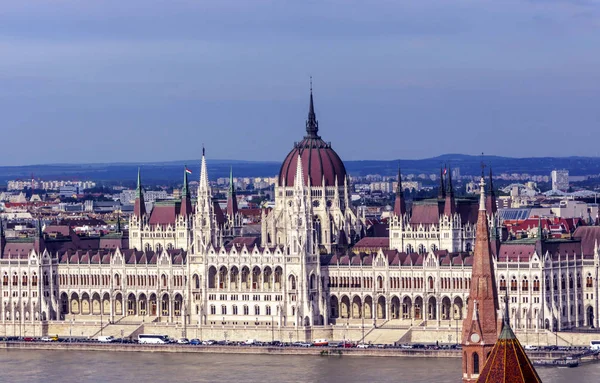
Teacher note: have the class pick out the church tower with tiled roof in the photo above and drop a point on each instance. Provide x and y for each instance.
(480, 326)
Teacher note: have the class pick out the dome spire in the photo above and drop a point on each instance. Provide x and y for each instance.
(312, 125)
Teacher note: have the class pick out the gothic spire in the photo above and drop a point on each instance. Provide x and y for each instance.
(450, 189)
(186, 202)
(232, 207)
(139, 207)
(441, 189)
(185, 187)
(491, 198)
(399, 204)
(449, 205)
(312, 125)
(480, 326)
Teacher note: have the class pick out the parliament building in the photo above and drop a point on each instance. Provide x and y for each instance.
(190, 261)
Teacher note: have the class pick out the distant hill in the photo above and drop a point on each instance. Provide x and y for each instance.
(172, 171)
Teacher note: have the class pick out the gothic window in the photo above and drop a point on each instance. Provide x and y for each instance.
(24, 279)
(589, 281)
(562, 282)
(223, 310)
(5, 280)
(502, 283)
(256, 310)
(213, 309)
(430, 280)
(409, 248)
(268, 309)
(421, 249)
(15, 281)
(525, 284)
(475, 363)
(536, 284)
(235, 310)
(513, 284)
(246, 311)
(468, 248)
(570, 281)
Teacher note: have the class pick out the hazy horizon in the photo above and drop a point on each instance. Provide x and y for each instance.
(150, 81)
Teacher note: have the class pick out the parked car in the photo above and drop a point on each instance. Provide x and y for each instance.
(362, 345)
(208, 342)
(183, 341)
(530, 347)
(106, 338)
(195, 342)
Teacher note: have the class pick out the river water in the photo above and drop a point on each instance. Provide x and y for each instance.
(32, 366)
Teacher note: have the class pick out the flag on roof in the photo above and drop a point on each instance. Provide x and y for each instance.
(188, 171)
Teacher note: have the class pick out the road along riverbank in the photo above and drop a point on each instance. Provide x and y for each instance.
(269, 350)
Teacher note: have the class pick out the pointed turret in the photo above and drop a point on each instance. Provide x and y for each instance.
(203, 186)
(232, 206)
(119, 223)
(2, 237)
(139, 207)
(299, 177)
(39, 243)
(186, 201)
(399, 204)
(480, 326)
(441, 188)
(312, 125)
(449, 205)
(490, 202)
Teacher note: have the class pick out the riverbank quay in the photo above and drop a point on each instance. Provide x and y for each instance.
(267, 350)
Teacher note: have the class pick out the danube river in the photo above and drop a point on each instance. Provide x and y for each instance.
(32, 366)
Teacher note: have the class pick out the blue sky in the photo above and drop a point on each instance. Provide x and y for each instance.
(98, 81)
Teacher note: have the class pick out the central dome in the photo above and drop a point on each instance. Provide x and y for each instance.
(319, 161)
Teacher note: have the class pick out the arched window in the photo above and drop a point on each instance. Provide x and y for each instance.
(257, 310)
(562, 282)
(223, 310)
(525, 284)
(5, 280)
(468, 248)
(570, 281)
(475, 363)
(513, 284)
(268, 310)
(24, 279)
(246, 311)
(15, 281)
(589, 282)
(163, 279)
(536, 284)
(430, 280)
(502, 283)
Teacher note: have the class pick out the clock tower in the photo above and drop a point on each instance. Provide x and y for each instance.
(480, 326)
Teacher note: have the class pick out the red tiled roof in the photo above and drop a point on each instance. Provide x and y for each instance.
(508, 362)
(373, 243)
